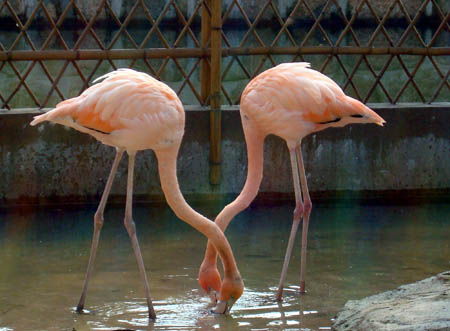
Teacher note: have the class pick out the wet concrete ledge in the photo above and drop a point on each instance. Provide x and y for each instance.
(408, 160)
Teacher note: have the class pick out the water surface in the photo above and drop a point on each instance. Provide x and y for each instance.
(354, 251)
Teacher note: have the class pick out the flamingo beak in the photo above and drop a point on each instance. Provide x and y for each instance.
(212, 294)
(375, 118)
(380, 121)
(224, 307)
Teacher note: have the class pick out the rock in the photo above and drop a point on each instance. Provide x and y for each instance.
(424, 305)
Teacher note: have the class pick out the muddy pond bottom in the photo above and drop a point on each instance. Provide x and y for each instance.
(353, 251)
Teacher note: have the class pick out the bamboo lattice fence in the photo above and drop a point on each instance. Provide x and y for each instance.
(207, 50)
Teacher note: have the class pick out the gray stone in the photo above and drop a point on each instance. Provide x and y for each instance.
(424, 305)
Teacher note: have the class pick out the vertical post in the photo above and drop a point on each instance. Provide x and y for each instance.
(215, 119)
(205, 71)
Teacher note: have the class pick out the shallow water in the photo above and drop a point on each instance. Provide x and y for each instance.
(354, 251)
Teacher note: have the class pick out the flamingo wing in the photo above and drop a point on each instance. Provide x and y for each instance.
(291, 100)
(131, 106)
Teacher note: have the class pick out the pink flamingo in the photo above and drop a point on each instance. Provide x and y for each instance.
(290, 101)
(132, 111)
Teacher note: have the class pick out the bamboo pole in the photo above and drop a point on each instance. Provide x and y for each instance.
(120, 54)
(99, 54)
(205, 73)
(215, 152)
(331, 50)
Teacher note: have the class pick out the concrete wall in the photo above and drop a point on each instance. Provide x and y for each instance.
(51, 164)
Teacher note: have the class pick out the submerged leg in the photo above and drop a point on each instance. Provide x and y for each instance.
(298, 212)
(98, 223)
(131, 228)
(306, 213)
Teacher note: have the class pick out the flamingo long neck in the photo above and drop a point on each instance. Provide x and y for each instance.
(255, 156)
(167, 165)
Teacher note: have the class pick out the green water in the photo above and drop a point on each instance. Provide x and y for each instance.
(354, 251)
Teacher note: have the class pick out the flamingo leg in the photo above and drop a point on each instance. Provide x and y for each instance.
(306, 212)
(298, 212)
(98, 223)
(131, 229)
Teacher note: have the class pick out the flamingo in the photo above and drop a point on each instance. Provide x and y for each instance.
(291, 101)
(132, 111)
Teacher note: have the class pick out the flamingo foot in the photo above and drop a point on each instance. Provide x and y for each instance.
(280, 294)
(80, 310)
(302, 287)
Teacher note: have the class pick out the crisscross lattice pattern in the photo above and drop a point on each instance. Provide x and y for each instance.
(54, 72)
(378, 51)
(341, 42)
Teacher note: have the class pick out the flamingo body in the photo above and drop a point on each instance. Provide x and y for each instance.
(129, 109)
(290, 101)
(132, 111)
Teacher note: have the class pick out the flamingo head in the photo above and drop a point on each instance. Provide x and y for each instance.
(209, 279)
(360, 113)
(231, 291)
